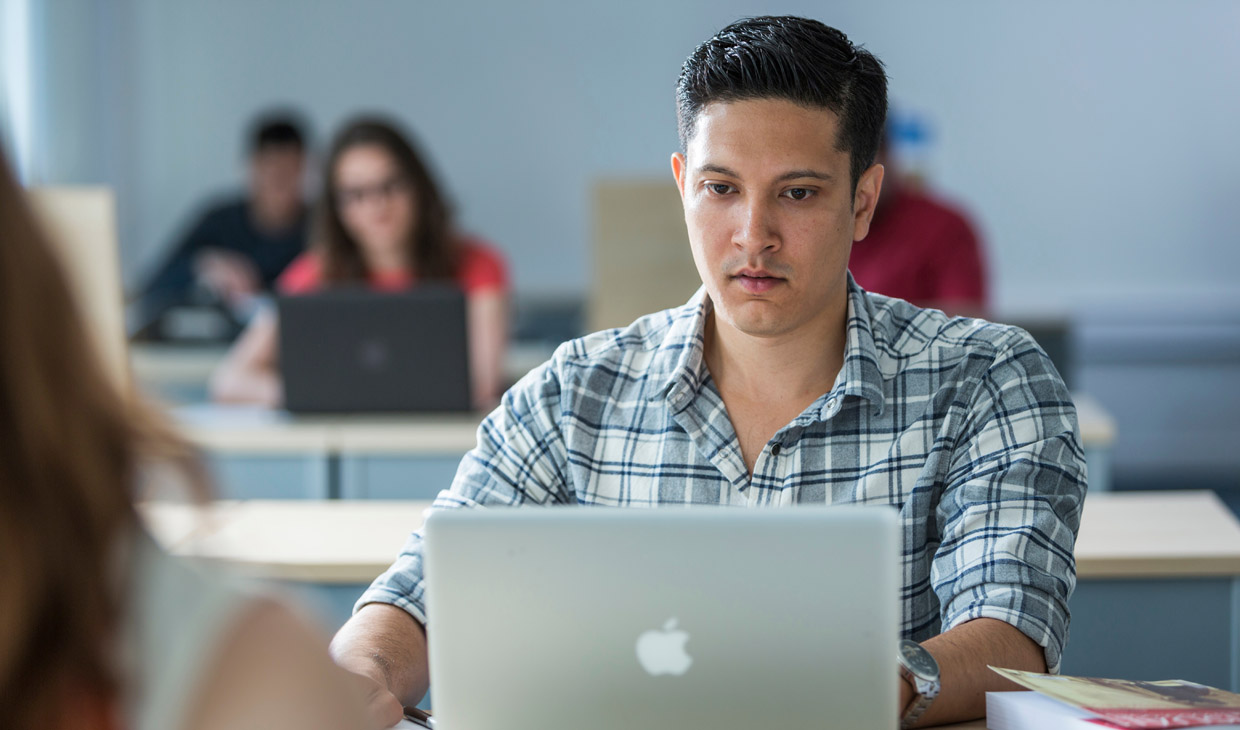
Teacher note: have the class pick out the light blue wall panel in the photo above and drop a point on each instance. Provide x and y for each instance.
(397, 477)
(292, 476)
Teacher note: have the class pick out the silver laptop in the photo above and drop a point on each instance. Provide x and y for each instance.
(708, 617)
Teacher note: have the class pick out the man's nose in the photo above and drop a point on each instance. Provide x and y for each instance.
(756, 231)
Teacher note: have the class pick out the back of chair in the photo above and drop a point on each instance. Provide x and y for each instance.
(642, 261)
(81, 222)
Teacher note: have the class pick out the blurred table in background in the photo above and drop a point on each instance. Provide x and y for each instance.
(1157, 593)
(175, 373)
(258, 453)
(1098, 439)
(178, 373)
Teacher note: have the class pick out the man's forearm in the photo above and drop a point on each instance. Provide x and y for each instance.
(963, 655)
(387, 644)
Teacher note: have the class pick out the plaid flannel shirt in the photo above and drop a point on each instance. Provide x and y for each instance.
(962, 424)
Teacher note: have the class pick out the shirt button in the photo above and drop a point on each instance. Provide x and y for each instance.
(830, 403)
(775, 450)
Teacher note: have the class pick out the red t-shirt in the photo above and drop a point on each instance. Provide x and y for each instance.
(920, 250)
(481, 268)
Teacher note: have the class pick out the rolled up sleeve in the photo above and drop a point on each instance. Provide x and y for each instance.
(1010, 512)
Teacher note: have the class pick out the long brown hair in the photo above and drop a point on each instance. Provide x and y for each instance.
(432, 246)
(70, 446)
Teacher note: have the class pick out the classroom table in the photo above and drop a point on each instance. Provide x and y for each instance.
(258, 453)
(1158, 592)
(177, 373)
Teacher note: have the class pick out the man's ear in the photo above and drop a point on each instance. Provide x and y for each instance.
(678, 171)
(865, 199)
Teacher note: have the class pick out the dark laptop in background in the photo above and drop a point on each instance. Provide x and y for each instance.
(356, 351)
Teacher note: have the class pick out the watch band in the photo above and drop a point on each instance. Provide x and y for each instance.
(921, 702)
(922, 672)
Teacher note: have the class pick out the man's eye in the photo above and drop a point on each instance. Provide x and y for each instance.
(799, 193)
(718, 188)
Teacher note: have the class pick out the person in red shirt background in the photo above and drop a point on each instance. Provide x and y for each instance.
(921, 249)
(383, 223)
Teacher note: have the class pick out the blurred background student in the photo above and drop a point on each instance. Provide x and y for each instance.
(98, 627)
(383, 223)
(920, 248)
(235, 250)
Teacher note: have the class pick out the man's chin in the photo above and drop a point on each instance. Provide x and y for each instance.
(754, 317)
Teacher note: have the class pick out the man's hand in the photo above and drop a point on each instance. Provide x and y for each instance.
(906, 695)
(386, 649)
(383, 710)
(228, 275)
(962, 654)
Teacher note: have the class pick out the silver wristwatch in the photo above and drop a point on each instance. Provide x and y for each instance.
(922, 671)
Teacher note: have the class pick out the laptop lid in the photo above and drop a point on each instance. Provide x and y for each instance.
(697, 618)
(353, 350)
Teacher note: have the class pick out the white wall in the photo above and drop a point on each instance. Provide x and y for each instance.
(1094, 141)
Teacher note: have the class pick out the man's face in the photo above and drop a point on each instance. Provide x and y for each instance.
(771, 214)
(276, 179)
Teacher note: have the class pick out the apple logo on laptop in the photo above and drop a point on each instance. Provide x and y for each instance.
(662, 651)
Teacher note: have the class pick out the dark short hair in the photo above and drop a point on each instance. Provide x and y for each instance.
(276, 129)
(797, 59)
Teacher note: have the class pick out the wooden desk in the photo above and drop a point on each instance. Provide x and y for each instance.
(1157, 535)
(156, 364)
(1123, 535)
(1158, 595)
(1158, 592)
(178, 373)
(1097, 438)
(263, 454)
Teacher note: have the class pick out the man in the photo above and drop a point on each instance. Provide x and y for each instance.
(781, 381)
(235, 251)
(920, 249)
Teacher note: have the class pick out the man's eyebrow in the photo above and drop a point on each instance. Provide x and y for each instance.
(717, 169)
(798, 174)
(790, 175)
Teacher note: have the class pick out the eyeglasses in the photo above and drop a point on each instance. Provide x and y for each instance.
(385, 190)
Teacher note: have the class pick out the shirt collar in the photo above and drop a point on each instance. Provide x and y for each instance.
(681, 360)
(860, 375)
(682, 363)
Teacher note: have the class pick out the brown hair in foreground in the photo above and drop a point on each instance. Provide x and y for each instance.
(70, 448)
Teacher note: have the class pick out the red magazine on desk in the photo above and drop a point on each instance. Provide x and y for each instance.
(1136, 705)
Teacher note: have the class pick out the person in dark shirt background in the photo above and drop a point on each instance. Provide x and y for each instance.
(235, 250)
(921, 249)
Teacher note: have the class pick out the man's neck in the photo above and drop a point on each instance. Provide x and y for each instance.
(788, 370)
(273, 219)
(766, 382)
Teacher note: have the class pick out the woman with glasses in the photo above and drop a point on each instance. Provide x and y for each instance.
(382, 222)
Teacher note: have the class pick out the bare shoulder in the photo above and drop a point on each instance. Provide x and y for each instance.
(272, 671)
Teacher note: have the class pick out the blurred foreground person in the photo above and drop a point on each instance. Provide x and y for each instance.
(99, 628)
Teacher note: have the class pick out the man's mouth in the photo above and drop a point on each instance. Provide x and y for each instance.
(757, 281)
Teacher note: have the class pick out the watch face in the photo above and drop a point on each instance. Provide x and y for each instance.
(918, 660)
